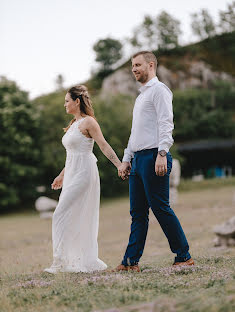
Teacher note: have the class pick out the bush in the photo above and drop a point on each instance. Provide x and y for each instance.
(20, 145)
(204, 114)
(53, 119)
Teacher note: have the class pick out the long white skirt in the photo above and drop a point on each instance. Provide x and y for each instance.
(76, 218)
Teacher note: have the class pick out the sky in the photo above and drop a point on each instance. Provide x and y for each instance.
(40, 39)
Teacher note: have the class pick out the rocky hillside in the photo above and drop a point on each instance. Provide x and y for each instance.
(193, 66)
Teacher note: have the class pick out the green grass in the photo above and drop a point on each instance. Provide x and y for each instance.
(25, 250)
(215, 183)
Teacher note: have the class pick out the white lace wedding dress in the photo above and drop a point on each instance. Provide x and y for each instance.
(76, 218)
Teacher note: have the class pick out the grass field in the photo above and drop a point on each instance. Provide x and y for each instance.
(25, 250)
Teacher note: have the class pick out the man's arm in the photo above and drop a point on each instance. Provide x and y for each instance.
(163, 106)
(128, 153)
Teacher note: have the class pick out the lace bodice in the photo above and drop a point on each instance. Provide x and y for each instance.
(75, 142)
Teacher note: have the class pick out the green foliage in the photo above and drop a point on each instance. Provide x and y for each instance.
(168, 31)
(160, 32)
(203, 114)
(145, 35)
(219, 52)
(202, 24)
(175, 154)
(53, 119)
(20, 145)
(108, 52)
(227, 18)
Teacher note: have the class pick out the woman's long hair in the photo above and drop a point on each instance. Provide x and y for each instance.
(82, 94)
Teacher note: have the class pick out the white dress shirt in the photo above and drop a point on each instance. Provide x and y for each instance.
(152, 122)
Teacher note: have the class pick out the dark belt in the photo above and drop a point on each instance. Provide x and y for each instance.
(146, 151)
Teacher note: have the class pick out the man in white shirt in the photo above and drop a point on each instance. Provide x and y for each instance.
(147, 161)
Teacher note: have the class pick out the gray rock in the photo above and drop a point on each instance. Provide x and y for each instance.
(120, 82)
(225, 233)
(45, 206)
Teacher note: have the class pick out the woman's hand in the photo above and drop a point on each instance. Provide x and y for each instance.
(124, 170)
(58, 182)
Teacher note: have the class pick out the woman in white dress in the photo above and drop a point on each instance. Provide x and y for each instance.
(76, 218)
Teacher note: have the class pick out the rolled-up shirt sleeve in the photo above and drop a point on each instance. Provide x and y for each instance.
(163, 105)
(128, 153)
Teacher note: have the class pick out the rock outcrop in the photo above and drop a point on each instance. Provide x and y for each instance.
(121, 81)
(196, 74)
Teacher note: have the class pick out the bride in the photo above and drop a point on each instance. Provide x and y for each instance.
(76, 218)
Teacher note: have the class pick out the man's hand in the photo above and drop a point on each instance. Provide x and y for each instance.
(161, 165)
(124, 170)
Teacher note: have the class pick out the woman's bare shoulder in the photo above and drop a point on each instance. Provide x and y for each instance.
(90, 121)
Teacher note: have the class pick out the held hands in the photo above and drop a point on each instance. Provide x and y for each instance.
(58, 182)
(161, 165)
(124, 170)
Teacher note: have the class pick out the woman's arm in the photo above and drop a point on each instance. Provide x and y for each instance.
(96, 133)
(62, 173)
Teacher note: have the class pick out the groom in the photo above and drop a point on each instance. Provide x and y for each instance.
(148, 146)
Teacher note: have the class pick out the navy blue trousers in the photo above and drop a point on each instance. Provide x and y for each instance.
(149, 190)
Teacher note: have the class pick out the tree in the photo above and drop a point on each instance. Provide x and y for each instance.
(168, 29)
(59, 82)
(204, 114)
(202, 24)
(227, 18)
(134, 40)
(160, 32)
(20, 157)
(145, 35)
(108, 52)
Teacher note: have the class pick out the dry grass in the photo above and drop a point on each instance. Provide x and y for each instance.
(25, 250)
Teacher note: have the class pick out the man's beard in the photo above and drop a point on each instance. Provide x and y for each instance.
(143, 77)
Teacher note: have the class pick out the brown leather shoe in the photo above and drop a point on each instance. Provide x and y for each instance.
(119, 268)
(134, 268)
(188, 262)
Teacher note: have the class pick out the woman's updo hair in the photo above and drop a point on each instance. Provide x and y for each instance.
(80, 92)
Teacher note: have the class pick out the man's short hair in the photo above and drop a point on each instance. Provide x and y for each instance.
(148, 56)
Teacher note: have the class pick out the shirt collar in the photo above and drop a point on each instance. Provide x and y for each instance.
(150, 83)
